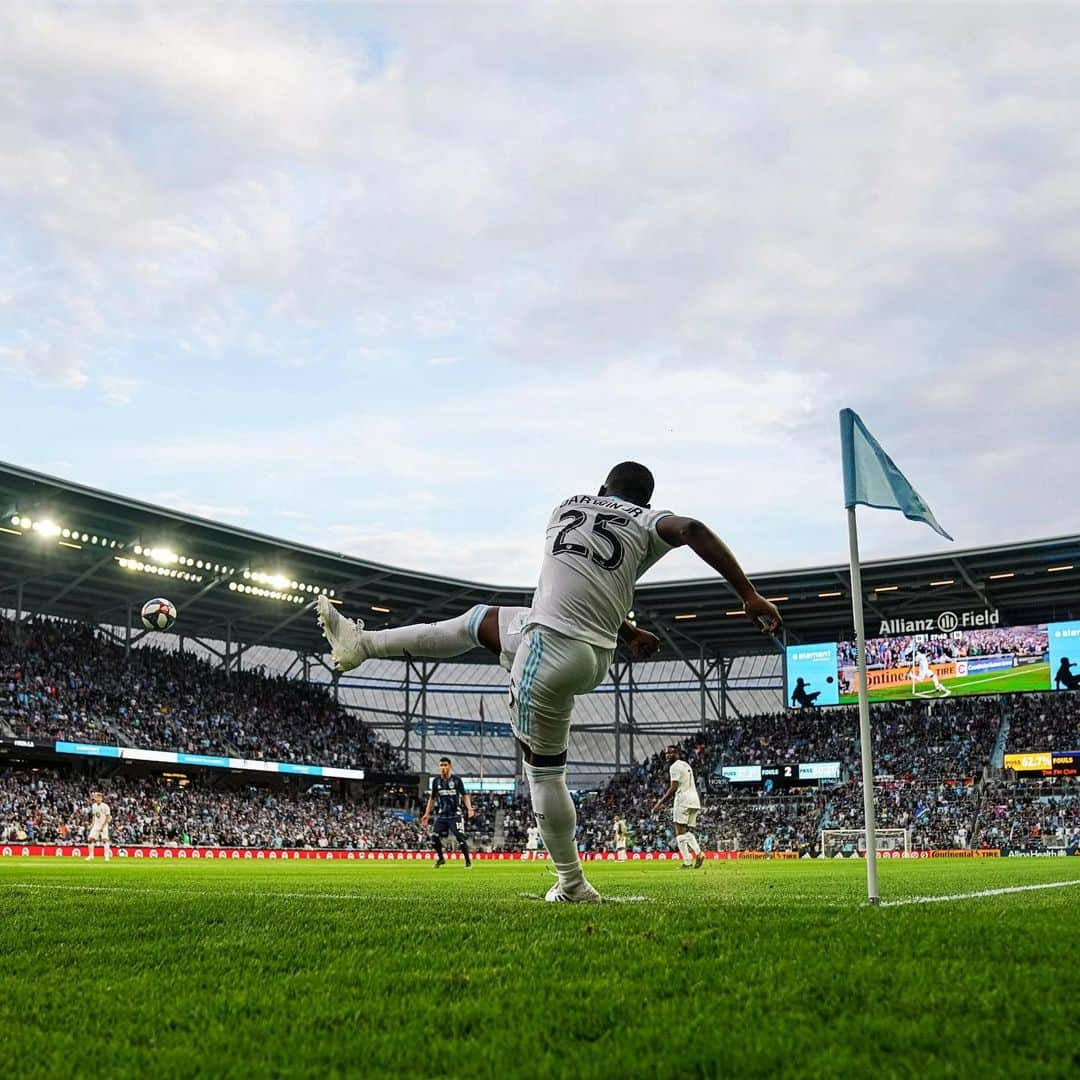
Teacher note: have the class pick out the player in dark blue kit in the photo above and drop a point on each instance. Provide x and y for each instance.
(448, 797)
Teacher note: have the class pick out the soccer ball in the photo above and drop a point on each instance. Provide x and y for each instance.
(158, 614)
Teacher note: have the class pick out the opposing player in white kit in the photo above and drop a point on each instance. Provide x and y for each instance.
(100, 816)
(622, 834)
(686, 808)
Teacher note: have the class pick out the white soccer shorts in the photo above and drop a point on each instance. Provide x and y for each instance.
(512, 622)
(549, 671)
(685, 815)
(101, 834)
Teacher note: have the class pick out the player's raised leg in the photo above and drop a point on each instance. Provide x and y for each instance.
(351, 644)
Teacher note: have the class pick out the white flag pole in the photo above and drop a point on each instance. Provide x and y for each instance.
(481, 743)
(864, 711)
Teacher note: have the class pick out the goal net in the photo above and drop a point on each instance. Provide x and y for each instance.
(845, 843)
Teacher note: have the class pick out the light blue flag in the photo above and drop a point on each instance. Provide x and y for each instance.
(871, 478)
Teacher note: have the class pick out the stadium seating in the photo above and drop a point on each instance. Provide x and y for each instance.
(66, 681)
(931, 759)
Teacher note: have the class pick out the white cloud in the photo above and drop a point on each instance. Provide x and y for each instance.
(688, 234)
(117, 390)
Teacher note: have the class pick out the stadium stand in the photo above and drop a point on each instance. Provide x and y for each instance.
(934, 764)
(65, 681)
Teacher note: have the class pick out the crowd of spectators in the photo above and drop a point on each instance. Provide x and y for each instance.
(69, 681)
(891, 652)
(47, 807)
(912, 739)
(1044, 722)
(1029, 815)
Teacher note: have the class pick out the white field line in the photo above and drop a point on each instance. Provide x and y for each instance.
(606, 899)
(988, 678)
(974, 895)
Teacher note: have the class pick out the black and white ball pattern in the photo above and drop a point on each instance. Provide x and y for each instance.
(158, 614)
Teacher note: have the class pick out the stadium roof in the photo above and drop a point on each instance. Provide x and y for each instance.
(75, 552)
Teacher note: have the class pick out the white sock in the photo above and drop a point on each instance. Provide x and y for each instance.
(692, 843)
(556, 818)
(439, 640)
(684, 847)
(108, 851)
(91, 855)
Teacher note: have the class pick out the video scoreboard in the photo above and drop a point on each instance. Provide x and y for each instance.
(1044, 763)
(950, 655)
(779, 777)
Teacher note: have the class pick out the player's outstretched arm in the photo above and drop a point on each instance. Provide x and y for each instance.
(683, 531)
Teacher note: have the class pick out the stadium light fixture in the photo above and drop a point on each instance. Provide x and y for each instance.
(824, 595)
(945, 581)
(741, 611)
(46, 528)
(998, 577)
(1058, 569)
(776, 599)
(380, 610)
(69, 544)
(13, 532)
(682, 618)
(140, 567)
(886, 588)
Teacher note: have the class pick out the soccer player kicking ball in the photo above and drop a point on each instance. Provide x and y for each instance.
(921, 671)
(686, 809)
(100, 816)
(447, 796)
(597, 547)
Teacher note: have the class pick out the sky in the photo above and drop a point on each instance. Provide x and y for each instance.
(395, 279)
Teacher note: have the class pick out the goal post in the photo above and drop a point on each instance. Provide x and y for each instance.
(844, 843)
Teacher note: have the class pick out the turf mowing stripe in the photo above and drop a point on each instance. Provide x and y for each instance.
(273, 894)
(975, 895)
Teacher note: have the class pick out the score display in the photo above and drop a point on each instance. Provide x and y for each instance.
(931, 666)
(1044, 763)
(790, 774)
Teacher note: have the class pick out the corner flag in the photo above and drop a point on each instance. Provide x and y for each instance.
(871, 477)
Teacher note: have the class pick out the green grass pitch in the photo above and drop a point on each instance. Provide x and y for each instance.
(1029, 677)
(740, 969)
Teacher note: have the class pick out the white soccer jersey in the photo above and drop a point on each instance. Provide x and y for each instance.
(686, 794)
(597, 547)
(99, 815)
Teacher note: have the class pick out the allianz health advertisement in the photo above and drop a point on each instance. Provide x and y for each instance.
(937, 658)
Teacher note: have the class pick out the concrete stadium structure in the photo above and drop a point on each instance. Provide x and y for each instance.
(246, 600)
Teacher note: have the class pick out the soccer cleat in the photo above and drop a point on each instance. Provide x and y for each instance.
(582, 894)
(468, 866)
(699, 860)
(439, 862)
(348, 645)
